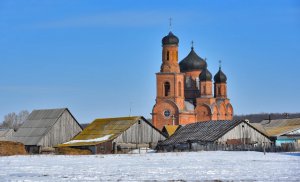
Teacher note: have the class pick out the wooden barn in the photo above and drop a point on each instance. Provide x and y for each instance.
(216, 135)
(285, 132)
(6, 134)
(47, 128)
(117, 135)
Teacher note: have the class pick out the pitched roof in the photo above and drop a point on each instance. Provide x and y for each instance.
(207, 131)
(102, 130)
(5, 134)
(170, 129)
(278, 127)
(38, 123)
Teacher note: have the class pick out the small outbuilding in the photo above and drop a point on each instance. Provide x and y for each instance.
(285, 132)
(117, 135)
(47, 128)
(216, 135)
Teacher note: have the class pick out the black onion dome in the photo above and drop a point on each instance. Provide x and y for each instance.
(220, 77)
(205, 75)
(192, 62)
(170, 39)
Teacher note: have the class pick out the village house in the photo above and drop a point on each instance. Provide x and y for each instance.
(285, 132)
(117, 135)
(216, 135)
(47, 128)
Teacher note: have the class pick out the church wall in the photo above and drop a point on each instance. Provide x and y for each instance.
(176, 93)
(220, 90)
(159, 120)
(187, 118)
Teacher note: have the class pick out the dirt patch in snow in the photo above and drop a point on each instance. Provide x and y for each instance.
(72, 151)
(12, 148)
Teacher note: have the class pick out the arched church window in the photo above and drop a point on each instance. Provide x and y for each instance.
(188, 82)
(219, 91)
(168, 55)
(167, 89)
(179, 89)
(197, 83)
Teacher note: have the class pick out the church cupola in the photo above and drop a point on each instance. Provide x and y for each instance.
(170, 54)
(205, 75)
(205, 78)
(192, 62)
(220, 77)
(170, 39)
(220, 86)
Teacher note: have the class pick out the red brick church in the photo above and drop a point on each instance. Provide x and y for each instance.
(184, 92)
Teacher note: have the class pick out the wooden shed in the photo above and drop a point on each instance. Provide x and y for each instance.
(285, 132)
(216, 135)
(117, 135)
(47, 128)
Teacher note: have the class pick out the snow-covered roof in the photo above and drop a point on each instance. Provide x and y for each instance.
(102, 130)
(278, 127)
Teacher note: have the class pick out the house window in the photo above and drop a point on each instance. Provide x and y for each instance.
(167, 89)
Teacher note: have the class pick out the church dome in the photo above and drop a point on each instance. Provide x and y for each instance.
(192, 62)
(170, 39)
(220, 77)
(205, 75)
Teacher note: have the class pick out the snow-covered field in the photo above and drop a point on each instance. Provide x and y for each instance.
(219, 165)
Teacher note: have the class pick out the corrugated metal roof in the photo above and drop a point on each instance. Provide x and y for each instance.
(100, 128)
(278, 127)
(170, 129)
(207, 131)
(37, 125)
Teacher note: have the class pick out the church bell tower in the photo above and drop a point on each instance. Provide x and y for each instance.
(169, 84)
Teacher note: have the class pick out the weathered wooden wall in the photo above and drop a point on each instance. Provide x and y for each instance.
(246, 134)
(141, 133)
(63, 130)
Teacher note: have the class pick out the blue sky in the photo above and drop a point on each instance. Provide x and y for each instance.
(98, 58)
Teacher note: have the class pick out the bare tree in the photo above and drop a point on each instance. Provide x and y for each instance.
(13, 120)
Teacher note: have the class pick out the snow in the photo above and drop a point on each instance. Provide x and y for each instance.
(142, 151)
(188, 166)
(106, 137)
